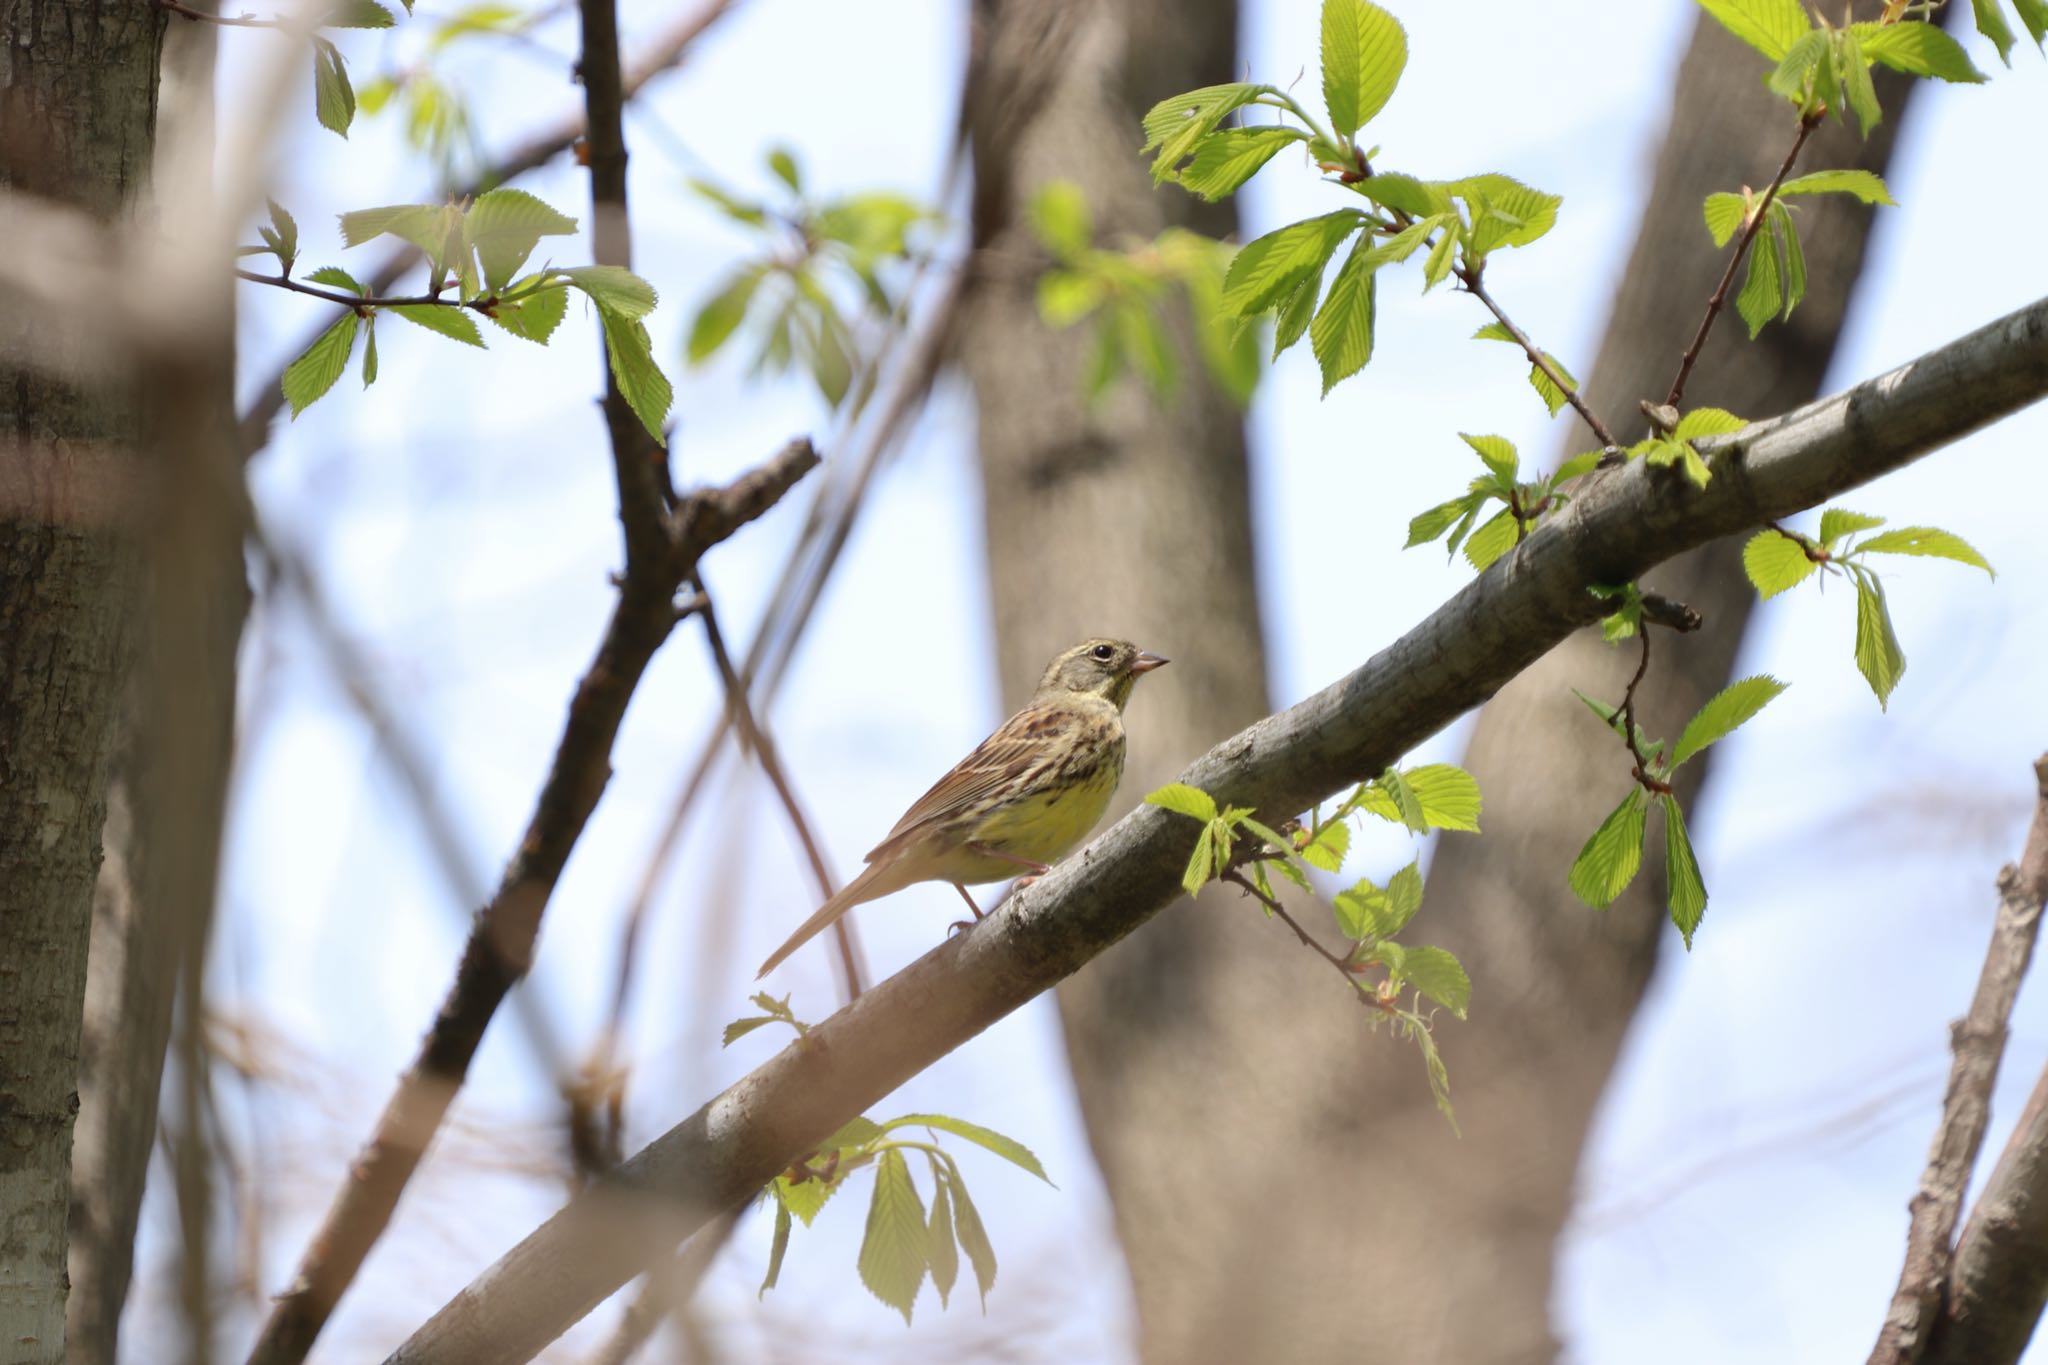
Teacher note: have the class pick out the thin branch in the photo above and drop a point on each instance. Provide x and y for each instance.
(1369, 999)
(666, 1291)
(541, 147)
(362, 302)
(1471, 646)
(1476, 287)
(500, 946)
(756, 738)
(1628, 722)
(1978, 1040)
(1714, 305)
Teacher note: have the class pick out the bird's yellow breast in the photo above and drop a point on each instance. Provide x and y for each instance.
(1046, 824)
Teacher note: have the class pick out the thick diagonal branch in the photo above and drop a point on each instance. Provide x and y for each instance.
(1631, 519)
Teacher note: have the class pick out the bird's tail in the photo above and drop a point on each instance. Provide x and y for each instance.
(872, 882)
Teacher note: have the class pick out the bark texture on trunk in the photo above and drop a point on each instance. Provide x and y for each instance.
(77, 118)
(1267, 1158)
(163, 833)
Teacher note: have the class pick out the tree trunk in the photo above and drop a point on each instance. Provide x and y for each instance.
(1130, 517)
(77, 124)
(156, 888)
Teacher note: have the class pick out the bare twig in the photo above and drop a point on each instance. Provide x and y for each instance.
(1720, 298)
(1370, 999)
(1923, 1297)
(756, 738)
(1487, 633)
(1659, 610)
(1476, 287)
(500, 945)
(1628, 723)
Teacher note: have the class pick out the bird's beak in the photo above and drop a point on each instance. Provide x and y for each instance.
(1145, 663)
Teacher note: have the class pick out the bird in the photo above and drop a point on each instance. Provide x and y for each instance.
(1026, 795)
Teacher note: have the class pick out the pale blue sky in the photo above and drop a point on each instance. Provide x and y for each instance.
(1744, 1196)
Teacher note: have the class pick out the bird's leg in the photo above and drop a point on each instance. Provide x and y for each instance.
(960, 924)
(987, 852)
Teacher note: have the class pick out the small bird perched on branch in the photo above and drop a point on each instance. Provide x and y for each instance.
(1026, 795)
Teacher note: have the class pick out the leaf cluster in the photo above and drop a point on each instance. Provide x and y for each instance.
(475, 255)
(1129, 295)
(1613, 855)
(905, 1241)
(1522, 502)
(821, 269)
(1777, 559)
(1369, 916)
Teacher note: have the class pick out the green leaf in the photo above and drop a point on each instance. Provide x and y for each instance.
(1266, 270)
(359, 14)
(1145, 342)
(1864, 185)
(1500, 456)
(1329, 848)
(1805, 75)
(1364, 51)
(973, 1236)
(1418, 199)
(1438, 974)
(1857, 89)
(1067, 296)
(1492, 540)
(1724, 214)
(1878, 655)
(614, 289)
(1009, 1149)
(941, 1251)
(1449, 796)
(334, 277)
(1926, 540)
(776, 1249)
(1404, 898)
(1775, 563)
(1182, 799)
(2034, 14)
(1060, 217)
(1578, 466)
(1918, 50)
(783, 164)
(434, 229)
(1438, 264)
(740, 1028)
(1724, 712)
(1991, 23)
(1787, 231)
(1407, 805)
(722, 314)
(1837, 522)
(1229, 157)
(739, 210)
(631, 354)
(1554, 398)
(1341, 334)
(1427, 526)
(1201, 862)
(449, 322)
(1293, 315)
(1703, 422)
(1761, 295)
(804, 1198)
(504, 226)
(370, 351)
(534, 316)
(1504, 211)
(287, 230)
(1769, 26)
(858, 1131)
(892, 1251)
(1439, 1078)
(1174, 126)
(314, 373)
(1687, 893)
(1611, 858)
(334, 99)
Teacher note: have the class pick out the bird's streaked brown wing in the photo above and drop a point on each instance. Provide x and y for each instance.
(1006, 758)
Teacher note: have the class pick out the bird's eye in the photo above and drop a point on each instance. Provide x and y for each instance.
(1103, 652)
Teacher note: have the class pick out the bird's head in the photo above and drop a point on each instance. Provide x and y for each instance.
(1100, 668)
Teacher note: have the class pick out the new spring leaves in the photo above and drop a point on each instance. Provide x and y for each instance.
(475, 254)
(902, 1243)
